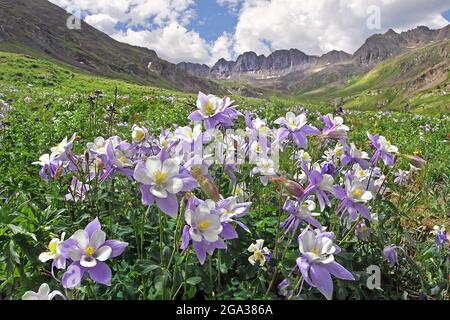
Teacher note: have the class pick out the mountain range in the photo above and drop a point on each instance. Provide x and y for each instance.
(390, 69)
(294, 70)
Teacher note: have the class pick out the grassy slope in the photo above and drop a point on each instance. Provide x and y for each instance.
(388, 85)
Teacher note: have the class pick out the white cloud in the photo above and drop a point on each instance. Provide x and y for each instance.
(313, 26)
(232, 4)
(102, 22)
(317, 26)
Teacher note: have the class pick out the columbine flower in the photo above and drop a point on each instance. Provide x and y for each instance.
(353, 198)
(334, 128)
(88, 250)
(319, 184)
(297, 128)
(317, 262)
(77, 191)
(353, 155)
(203, 228)
(385, 150)
(441, 235)
(139, 134)
(260, 253)
(264, 167)
(391, 255)
(161, 180)
(54, 253)
(230, 210)
(59, 152)
(43, 294)
(401, 177)
(298, 213)
(260, 125)
(50, 167)
(214, 111)
(98, 147)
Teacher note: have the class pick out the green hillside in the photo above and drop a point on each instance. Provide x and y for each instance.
(419, 81)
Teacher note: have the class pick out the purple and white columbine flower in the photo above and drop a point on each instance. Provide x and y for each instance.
(319, 184)
(214, 111)
(353, 155)
(43, 294)
(230, 210)
(334, 128)
(161, 179)
(384, 150)
(298, 213)
(260, 254)
(49, 166)
(441, 235)
(203, 227)
(61, 150)
(353, 198)
(88, 250)
(77, 191)
(295, 127)
(317, 262)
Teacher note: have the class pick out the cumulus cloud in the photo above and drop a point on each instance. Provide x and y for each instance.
(313, 26)
(318, 26)
(102, 22)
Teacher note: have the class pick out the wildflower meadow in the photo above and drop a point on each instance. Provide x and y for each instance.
(117, 194)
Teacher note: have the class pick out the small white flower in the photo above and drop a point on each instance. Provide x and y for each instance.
(43, 294)
(260, 253)
(137, 134)
(54, 248)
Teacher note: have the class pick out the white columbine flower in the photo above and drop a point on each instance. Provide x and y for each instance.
(98, 146)
(204, 223)
(386, 145)
(265, 167)
(260, 253)
(317, 249)
(160, 176)
(45, 160)
(212, 105)
(54, 248)
(292, 122)
(188, 134)
(137, 134)
(43, 294)
(357, 192)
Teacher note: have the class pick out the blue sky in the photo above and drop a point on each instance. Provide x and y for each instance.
(213, 19)
(204, 31)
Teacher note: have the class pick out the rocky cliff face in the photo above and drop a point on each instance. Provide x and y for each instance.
(281, 63)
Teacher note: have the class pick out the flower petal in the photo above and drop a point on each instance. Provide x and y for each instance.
(103, 254)
(101, 273)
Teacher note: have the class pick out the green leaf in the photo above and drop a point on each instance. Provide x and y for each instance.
(193, 281)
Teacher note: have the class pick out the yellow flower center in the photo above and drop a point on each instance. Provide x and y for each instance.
(357, 192)
(163, 142)
(258, 148)
(209, 109)
(258, 255)
(305, 156)
(52, 247)
(139, 135)
(203, 224)
(123, 159)
(315, 252)
(90, 251)
(160, 177)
